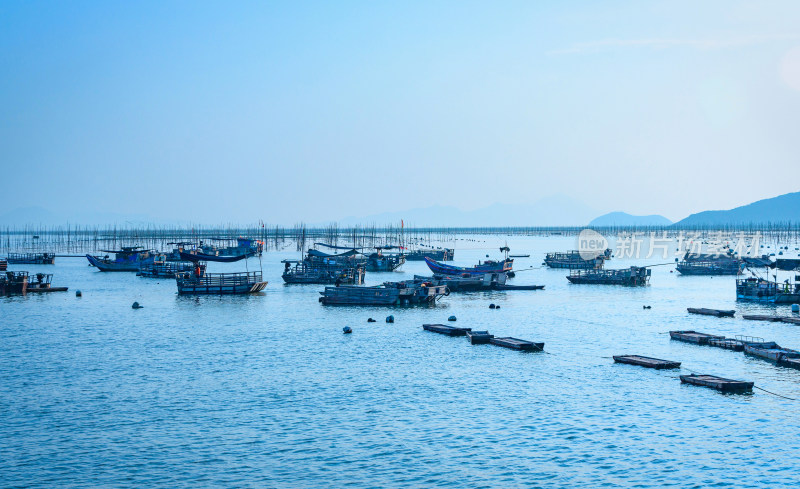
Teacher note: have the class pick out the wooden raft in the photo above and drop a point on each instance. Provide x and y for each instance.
(648, 362)
(693, 337)
(760, 317)
(446, 330)
(711, 312)
(718, 383)
(517, 344)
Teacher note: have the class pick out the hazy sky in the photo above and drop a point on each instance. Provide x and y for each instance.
(235, 111)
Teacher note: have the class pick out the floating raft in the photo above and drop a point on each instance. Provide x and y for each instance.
(693, 337)
(446, 330)
(648, 362)
(718, 383)
(727, 344)
(479, 337)
(711, 312)
(759, 317)
(517, 344)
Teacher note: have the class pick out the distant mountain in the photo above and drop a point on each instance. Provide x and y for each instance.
(556, 210)
(625, 219)
(784, 208)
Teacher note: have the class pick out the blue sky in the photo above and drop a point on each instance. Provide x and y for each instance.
(236, 111)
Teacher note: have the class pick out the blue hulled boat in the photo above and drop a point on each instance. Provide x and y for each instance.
(126, 259)
(489, 266)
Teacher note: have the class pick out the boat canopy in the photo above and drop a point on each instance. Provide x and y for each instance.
(320, 254)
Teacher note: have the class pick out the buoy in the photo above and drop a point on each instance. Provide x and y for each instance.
(451, 318)
(795, 307)
(370, 320)
(78, 293)
(136, 305)
(497, 307)
(347, 330)
(389, 319)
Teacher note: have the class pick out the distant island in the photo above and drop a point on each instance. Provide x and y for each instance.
(782, 209)
(625, 219)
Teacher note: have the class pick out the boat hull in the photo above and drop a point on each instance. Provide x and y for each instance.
(443, 269)
(110, 266)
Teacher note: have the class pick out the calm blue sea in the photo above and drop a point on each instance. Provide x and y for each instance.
(266, 391)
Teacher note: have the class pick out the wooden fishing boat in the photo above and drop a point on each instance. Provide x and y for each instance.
(347, 259)
(219, 283)
(12, 283)
(126, 259)
(31, 258)
(384, 262)
(762, 290)
(197, 256)
(721, 267)
(573, 260)
(475, 282)
(245, 247)
(388, 294)
(488, 266)
(167, 269)
(303, 273)
(437, 254)
(630, 277)
(41, 282)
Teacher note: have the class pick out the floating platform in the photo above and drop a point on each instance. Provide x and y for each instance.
(760, 317)
(718, 383)
(479, 337)
(790, 363)
(770, 351)
(446, 330)
(693, 337)
(711, 312)
(791, 320)
(726, 344)
(648, 362)
(517, 344)
(519, 287)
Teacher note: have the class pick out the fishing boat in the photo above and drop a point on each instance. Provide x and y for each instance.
(573, 260)
(488, 266)
(347, 259)
(126, 259)
(12, 283)
(41, 282)
(710, 264)
(31, 258)
(164, 268)
(422, 252)
(384, 262)
(303, 273)
(219, 283)
(763, 290)
(474, 282)
(631, 277)
(388, 294)
(244, 246)
(197, 256)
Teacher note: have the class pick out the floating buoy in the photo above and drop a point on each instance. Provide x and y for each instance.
(497, 307)
(647, 307)
(492, 306)
(78, 293)
(389, 319)
(795, 307)
(136, 305)
(451, 318)
(370, 320)
(347, 330)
